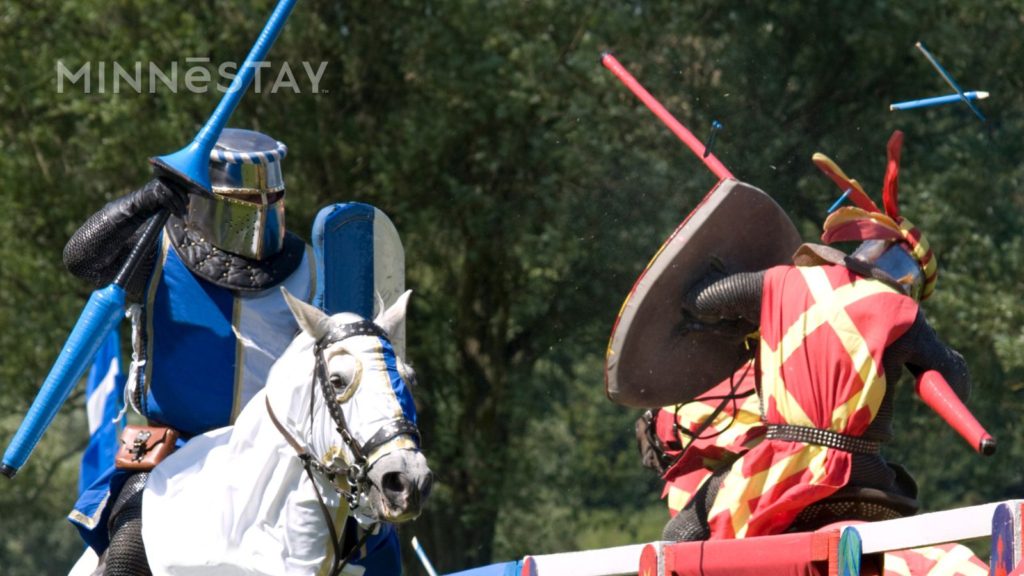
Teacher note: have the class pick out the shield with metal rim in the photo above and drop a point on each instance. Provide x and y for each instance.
(655, 357)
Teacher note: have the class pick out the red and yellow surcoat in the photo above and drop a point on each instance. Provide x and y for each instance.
(824, 331)
(728, 418)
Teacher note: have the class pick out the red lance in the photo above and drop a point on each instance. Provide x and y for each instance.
(937, 394)
(681, 132)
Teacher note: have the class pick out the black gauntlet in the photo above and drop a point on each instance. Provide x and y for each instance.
(652, 452)
(98, 249)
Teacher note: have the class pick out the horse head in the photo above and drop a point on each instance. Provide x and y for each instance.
(370, 445)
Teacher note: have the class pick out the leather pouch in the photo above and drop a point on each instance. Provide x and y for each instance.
(143, 447)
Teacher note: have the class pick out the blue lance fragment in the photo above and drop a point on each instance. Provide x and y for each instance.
(937, 100)
(840, 201)
(949, 80)
(715, 127)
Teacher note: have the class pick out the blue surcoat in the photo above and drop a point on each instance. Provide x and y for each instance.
(209, 348)
(209, 351)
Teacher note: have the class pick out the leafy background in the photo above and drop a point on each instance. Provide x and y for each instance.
(530, 189)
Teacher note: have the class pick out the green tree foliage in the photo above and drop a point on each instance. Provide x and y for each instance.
(530, 189)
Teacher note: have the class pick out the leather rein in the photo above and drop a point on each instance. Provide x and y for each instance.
(357, 471)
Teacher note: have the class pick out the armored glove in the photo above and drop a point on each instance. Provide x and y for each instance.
(652, 453)
(157, 194)
(96, 251)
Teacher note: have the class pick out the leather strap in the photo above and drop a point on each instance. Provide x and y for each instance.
(388, 432)
(359, 328)
(339, 561)
(284, 432)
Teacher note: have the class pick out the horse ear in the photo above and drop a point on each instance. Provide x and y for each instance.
(391, 320)
(311, 319)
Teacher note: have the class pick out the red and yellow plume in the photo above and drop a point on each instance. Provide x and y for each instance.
(867, 222)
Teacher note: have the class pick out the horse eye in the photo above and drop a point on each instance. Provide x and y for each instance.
(337, 381)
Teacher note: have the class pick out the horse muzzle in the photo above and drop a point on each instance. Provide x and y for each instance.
(404, 495)
(402, 483)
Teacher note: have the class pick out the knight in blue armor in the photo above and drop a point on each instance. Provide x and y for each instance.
(208, 319)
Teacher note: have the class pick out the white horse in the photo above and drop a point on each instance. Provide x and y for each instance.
(324, 439)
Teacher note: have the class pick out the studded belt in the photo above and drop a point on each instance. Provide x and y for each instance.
(822, 437)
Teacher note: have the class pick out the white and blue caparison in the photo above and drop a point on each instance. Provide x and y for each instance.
(328, 425)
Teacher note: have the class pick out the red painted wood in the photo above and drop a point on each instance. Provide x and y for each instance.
(803, 554)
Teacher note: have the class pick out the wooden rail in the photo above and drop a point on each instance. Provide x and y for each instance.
(832, 552)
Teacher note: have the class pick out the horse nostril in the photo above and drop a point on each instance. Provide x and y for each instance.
(395, 483)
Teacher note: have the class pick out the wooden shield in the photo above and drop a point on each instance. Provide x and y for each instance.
(651, 360)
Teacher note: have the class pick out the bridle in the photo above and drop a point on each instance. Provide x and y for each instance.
(356, 472)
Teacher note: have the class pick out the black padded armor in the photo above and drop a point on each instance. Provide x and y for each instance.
(230, 270)
(919, 349)
(126, 555)
(691, 523)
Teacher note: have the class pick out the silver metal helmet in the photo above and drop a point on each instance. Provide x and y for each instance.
(245, 213)
(896, 261)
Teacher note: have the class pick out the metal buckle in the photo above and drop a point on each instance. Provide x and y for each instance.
(139, 449)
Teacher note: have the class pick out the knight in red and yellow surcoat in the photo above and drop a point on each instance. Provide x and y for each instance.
(819, 324)
(835, 333)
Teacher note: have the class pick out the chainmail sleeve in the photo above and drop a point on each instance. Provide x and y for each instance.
(737, 296)
(919, 349)
(98, 249)
(927, 352)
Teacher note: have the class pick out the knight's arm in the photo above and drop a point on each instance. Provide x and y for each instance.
(734, 297)
(100, 246)
(927, 352)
